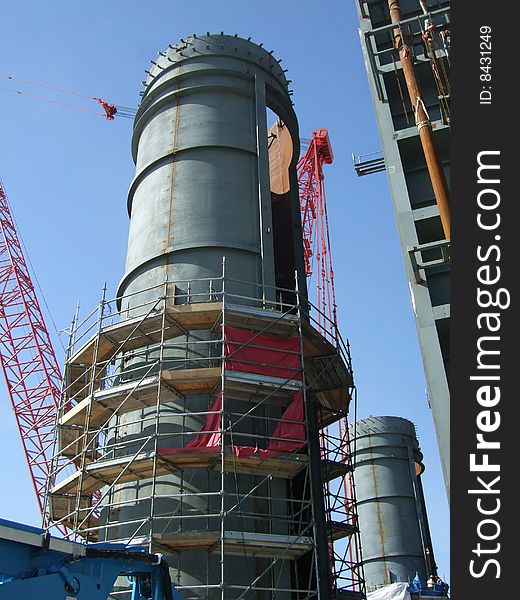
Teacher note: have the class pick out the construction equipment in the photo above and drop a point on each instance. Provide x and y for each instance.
(315, 224)
(34, 564)
(27, 357)
(109, 110)
(26, 354)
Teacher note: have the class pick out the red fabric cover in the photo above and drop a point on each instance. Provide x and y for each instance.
(292, 434)
(277, 357)
(212, 425)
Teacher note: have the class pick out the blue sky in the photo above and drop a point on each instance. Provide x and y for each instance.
(67, 174)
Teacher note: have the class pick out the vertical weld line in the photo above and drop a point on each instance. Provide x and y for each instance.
(378, 509)
(174, 149)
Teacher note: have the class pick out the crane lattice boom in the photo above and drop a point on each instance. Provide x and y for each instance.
(27, 357)
(315, 226)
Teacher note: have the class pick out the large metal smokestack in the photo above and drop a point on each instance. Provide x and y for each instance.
(194, 413)
(201, 194)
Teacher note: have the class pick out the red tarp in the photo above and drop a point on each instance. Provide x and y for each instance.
(292, 435)
(212, 425)
(275, 357)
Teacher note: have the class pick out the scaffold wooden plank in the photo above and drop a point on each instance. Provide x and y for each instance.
(129, 396)
(237, 542)
(138, 332)
(132, 395)
(192, 381)
(62, 508)
(328, 377)
(259, 388)
(141, 466)
(333, 469)
(339, 530)
(145, 330)
(71, 444)
(268, 321)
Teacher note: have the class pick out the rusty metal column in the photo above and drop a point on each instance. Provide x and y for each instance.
(437, 177)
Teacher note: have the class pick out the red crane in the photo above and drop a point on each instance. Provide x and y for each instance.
(315, 225)
(27, 357)
(340, 498)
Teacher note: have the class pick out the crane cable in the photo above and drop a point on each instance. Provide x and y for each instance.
(109, 110)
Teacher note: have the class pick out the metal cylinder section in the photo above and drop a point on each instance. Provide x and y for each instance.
(201, 194)
(392, 515)
(201, 189)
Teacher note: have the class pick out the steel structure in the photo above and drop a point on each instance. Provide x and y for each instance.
(394, 524)
(404, 44)
(27, 357)
(421, 31)
(314, 226)
(234, 436)
(36, 565)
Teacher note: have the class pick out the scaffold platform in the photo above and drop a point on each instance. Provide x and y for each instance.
(236, 543)
(270, 364)
(141, 466)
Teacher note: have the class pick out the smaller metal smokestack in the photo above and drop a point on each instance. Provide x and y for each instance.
(392, 513)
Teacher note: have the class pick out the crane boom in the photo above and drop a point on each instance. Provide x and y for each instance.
(345, 559)
(315, 226)
(27, 357)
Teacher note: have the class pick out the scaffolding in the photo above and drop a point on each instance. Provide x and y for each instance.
(263, 367)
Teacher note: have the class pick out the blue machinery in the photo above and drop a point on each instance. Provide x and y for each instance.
(35, 565)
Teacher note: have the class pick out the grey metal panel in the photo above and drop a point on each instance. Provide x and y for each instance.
(391, 513)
